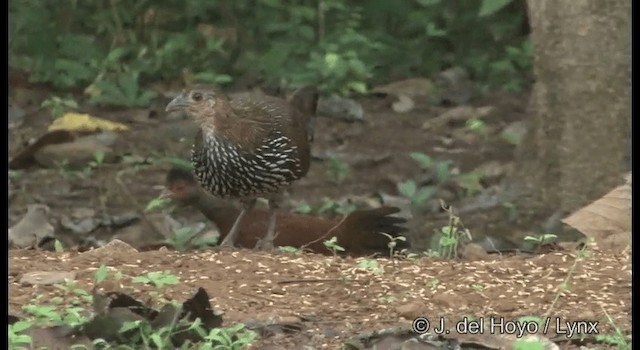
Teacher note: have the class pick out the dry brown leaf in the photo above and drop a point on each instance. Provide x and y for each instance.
(25, 157)
(606, 218)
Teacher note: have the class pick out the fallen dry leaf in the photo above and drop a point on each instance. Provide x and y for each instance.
(606, 217)
(25, 157)
(78, 122)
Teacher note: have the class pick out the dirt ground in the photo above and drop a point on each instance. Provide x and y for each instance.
(331, 298)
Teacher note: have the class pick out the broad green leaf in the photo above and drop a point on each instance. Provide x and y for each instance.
(407, 188)
(101, 274)
(423, 160)
(490, 7)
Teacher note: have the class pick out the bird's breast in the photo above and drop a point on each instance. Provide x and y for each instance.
(225, 169)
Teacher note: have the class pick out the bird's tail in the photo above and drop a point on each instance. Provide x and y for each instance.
(305, 100)
(362, 230)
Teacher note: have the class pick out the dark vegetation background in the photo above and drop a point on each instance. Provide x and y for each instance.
(113, 50)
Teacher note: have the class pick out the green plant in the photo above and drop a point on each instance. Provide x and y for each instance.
(157, 204)
(87, 171)
(477, 287)
(433, 284)
(510, 137)
(393, 243)
(58, 247)
(117, 49)
(439, 173)
(157, 279)
(289, 250)
(528, 345)
(387, 299)
(470, 182)
(448, 242)
(617, 338)
(43, 314)
(418, 196)
(58, 106)
(332, 245)
(232, 338)
(71, 287)
(535, 242)
(337, 170)
(478, 126)
(16, 339)
(125, 91)
(185, 238)
(101, 274)
(370, 265)
(142, 332)
(449, 237)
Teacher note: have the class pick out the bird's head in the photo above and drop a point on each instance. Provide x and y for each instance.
(181, 187)
(200, 103)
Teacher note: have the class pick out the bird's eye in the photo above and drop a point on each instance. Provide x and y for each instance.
(196, 96)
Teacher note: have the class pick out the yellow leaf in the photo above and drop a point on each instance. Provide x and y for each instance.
(84, 123)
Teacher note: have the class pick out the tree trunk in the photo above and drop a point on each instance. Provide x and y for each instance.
(580, 110)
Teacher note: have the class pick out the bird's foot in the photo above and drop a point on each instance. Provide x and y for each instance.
(226, 245)
(265, 245)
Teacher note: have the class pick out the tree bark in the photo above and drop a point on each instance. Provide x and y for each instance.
(580, 109)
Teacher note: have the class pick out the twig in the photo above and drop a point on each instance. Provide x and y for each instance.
(326, 234)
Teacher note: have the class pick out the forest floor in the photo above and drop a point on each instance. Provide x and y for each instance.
(321, 300)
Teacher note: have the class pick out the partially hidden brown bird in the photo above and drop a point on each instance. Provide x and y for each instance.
(247, 148)
(359, 232)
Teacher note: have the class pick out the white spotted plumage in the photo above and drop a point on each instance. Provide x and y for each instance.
(225, 170)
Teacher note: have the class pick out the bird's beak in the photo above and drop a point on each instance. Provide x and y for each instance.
(178, 103)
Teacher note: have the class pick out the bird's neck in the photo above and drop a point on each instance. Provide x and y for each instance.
(220, 212)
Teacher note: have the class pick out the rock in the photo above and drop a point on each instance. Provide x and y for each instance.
(32, 229)
(81, 227)
(473, 251)
(336, 107)
(46, 277)
(412, 88)
(403, 105)
(138, 236)
(110, 248)
(455, 86)
(79, 153)
(617, 242)
(411, 310)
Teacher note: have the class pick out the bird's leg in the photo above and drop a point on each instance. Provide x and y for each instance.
(230, 240)
(267, 242)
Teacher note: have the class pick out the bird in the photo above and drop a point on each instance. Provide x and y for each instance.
(248, 148)
(358, 232)
(32, 229)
